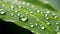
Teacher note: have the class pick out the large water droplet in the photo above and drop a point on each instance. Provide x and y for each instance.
(58, 32)
(42, 27)
(24, 19)
(2, 13)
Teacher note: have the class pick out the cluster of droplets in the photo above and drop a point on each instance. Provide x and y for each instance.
(24, 19)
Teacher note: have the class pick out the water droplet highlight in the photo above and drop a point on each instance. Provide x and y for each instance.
(43, 28)
(2, 13)
(24, 19)
(32, 26)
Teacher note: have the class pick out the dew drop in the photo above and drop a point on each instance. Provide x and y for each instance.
(24, 19)
(58, 32)
(12, 7)
(48, 23)
(57, 28)
(56, 17)
(26, 13)
(19, 6)
(47, 12)
(43, 28)
(36, 24)
(30, 23)
(32, 26)
(57, 23)
(31, 12)
(47, 18)
(27, 4)
(38, 11)
(46, 15)
(16, 11)
(2, 13)
(11, 14)
(23, 3)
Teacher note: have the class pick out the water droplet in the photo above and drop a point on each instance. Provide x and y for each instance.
(11, 14)
(31, 12)
(57, 28)
(57, 23)
(36, 24)
(47, 18)
(37, 33)
(24, 19)
(48, 23)
(43, 28)
(19, 6)
(32, 26)
(46, 15)
(30, 23)
(26, 13)
(58, 32)
(38, 11)
(28, 4)
(2, 13)
(21, 15)
(23, 3)
(16, 11)
(12, 7)
(56, 17)
(47, 12)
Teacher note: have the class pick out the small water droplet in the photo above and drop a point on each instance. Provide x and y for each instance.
(43, 28)
(12, 7)
(2, 13)
(31, 12)
(21, 15)
(57, 23)
(58, 32)
(47, 18)
(36, 24)
(56, 17)
(16, 11)
(46, 15)
(26, 13)
(38, 11)
(23, 3)
(19, 6)
(37, 33)
(24, 19)
(47, 12)
(11, 14)
(32, 26)
(28, 4)
(48, 23)
(57, 28)
(30, 23)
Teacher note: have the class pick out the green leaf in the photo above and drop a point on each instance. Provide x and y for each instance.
(35, 15)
